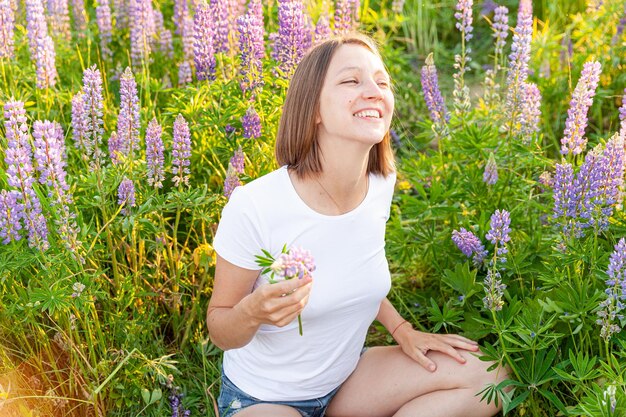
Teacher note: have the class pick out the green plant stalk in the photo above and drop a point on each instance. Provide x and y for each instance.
(496, 323)
(608, 355)
(168, 248)
(508, 359)
(115, 371)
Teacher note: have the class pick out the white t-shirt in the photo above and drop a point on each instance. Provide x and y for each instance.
(350, 281)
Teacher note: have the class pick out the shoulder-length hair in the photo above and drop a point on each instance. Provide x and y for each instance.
(296, 141)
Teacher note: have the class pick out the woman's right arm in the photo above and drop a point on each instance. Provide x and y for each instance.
(235, 312)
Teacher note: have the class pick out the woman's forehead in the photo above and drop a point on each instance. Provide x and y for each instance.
(351, 57)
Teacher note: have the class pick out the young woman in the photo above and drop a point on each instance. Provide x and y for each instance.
(331, 196)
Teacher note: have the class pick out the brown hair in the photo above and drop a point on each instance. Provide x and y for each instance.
(296, 141)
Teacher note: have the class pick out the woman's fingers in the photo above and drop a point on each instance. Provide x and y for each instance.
(280, 303)
(284, 288)
(419, 355)
(463, 342)
(447, 344)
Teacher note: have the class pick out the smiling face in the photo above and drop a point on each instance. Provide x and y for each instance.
(356, 102)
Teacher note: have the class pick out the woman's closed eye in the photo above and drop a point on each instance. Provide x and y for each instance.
(352, 81)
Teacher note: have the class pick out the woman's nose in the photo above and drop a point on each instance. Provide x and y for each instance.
(372, 90)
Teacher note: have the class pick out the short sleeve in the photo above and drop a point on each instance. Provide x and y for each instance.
(239, 238)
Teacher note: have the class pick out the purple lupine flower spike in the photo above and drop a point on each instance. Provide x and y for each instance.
(142, 30)
(562, 184)
(432, 93)
(322, 30)
(292, 39)
(583, 192)
(7, 20)
(120, 11)
(251, 124)
(11, 213)
(501, 28)
(126, 196)
(499, 232)
(115, 148)
(490, 176)
(93, 102)
(50, 157)
(604, 183)
(181, 12)
(464, 18)
(469, 244)
(128, 122)
(59, 18)
(18, 159)
(79, 120)
(237, 161)
(203, 51)
(35, 25)
(255, 7)
(221, 10)
(530, 110)
(105, 27)
(343, 17)
(573, 140)
(185, 74)
(165, 43)
(250, 39)
(46, 63)
(610, 313)
(231, 181)
(164, 35)
(518, 62)
(494, 290)
(181, 152)
(80, 20)
(154, 154)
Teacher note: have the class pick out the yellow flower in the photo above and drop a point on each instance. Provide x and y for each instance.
(404, 185)
(204, 254)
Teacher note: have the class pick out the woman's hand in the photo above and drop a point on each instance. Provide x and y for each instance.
(277, 304)
(416, 345)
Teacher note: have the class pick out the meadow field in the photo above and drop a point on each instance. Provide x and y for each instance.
(126, 124)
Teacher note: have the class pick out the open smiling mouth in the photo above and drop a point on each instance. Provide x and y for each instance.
(368, 114)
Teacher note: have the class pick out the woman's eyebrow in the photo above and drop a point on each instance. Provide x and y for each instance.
(348, 69)
(354, 68)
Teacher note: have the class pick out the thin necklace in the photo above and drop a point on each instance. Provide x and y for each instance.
(367, 180)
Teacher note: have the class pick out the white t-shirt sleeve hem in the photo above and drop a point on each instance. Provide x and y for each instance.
(238, 239)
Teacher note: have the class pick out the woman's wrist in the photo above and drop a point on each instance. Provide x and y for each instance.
(244, 308)
(399, 328)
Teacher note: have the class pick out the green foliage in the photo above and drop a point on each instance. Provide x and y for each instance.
(117, 334)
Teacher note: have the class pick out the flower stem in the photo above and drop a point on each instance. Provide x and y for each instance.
(300, 324)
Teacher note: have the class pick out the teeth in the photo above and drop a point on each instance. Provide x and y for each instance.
(368, 113)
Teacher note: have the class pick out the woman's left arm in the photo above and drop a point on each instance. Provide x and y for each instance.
(416, 344)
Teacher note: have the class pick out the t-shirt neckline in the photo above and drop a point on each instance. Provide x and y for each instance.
(300, 201)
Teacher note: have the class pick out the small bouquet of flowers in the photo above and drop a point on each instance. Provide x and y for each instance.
(292, 263)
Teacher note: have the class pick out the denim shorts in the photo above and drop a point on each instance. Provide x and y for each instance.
(232, 400)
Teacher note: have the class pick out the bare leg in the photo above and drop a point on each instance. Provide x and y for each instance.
(268, 410)
(386, 382)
